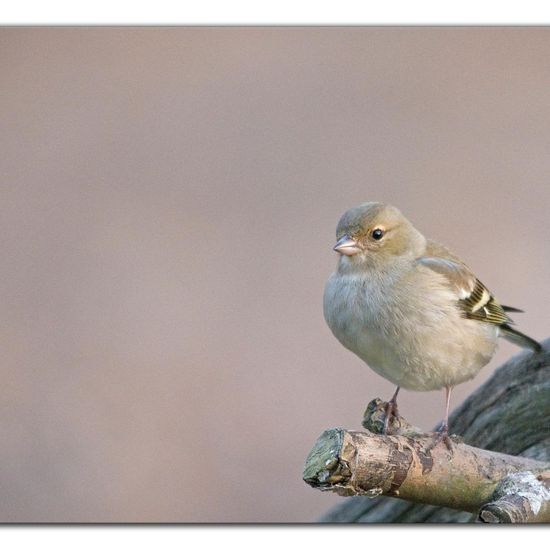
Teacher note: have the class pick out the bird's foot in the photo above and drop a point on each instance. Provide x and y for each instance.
(441, 434)
(391, 414)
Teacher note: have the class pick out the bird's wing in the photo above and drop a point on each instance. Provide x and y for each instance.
(473, 298)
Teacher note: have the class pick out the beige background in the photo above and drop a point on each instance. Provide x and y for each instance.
(169, 200)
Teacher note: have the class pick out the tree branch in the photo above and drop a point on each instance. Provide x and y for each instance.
(364, 463)
(519, 498)
(511, 411)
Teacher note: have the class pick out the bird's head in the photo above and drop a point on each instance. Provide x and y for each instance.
(376, 234)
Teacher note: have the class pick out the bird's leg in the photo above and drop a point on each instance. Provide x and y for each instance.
(442, 433)
(391, 410)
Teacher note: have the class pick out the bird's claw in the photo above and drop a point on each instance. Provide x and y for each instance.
(391, 412)
(442, 434)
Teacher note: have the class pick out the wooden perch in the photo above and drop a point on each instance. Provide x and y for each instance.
(465, 478)
(496, 487)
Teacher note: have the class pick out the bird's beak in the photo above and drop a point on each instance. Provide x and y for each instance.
(347, 246)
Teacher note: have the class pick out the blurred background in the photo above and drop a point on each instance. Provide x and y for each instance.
(169, 202)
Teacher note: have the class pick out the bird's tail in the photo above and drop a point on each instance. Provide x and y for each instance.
(518, 338)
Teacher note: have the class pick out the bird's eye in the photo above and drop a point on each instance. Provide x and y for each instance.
(377, 234)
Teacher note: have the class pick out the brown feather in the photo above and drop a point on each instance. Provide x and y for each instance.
(477, 302)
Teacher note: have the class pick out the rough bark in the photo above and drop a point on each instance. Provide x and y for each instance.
(509, 414)
(414, 468)
(521, 497)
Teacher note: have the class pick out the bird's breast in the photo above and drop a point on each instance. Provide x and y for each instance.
(418, 340)
(353, 311)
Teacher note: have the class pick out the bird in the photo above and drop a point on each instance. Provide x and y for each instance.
(410, 308)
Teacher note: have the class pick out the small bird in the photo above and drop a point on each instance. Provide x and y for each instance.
(410, 308)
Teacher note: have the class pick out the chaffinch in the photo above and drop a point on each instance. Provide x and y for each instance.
(410, 308)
